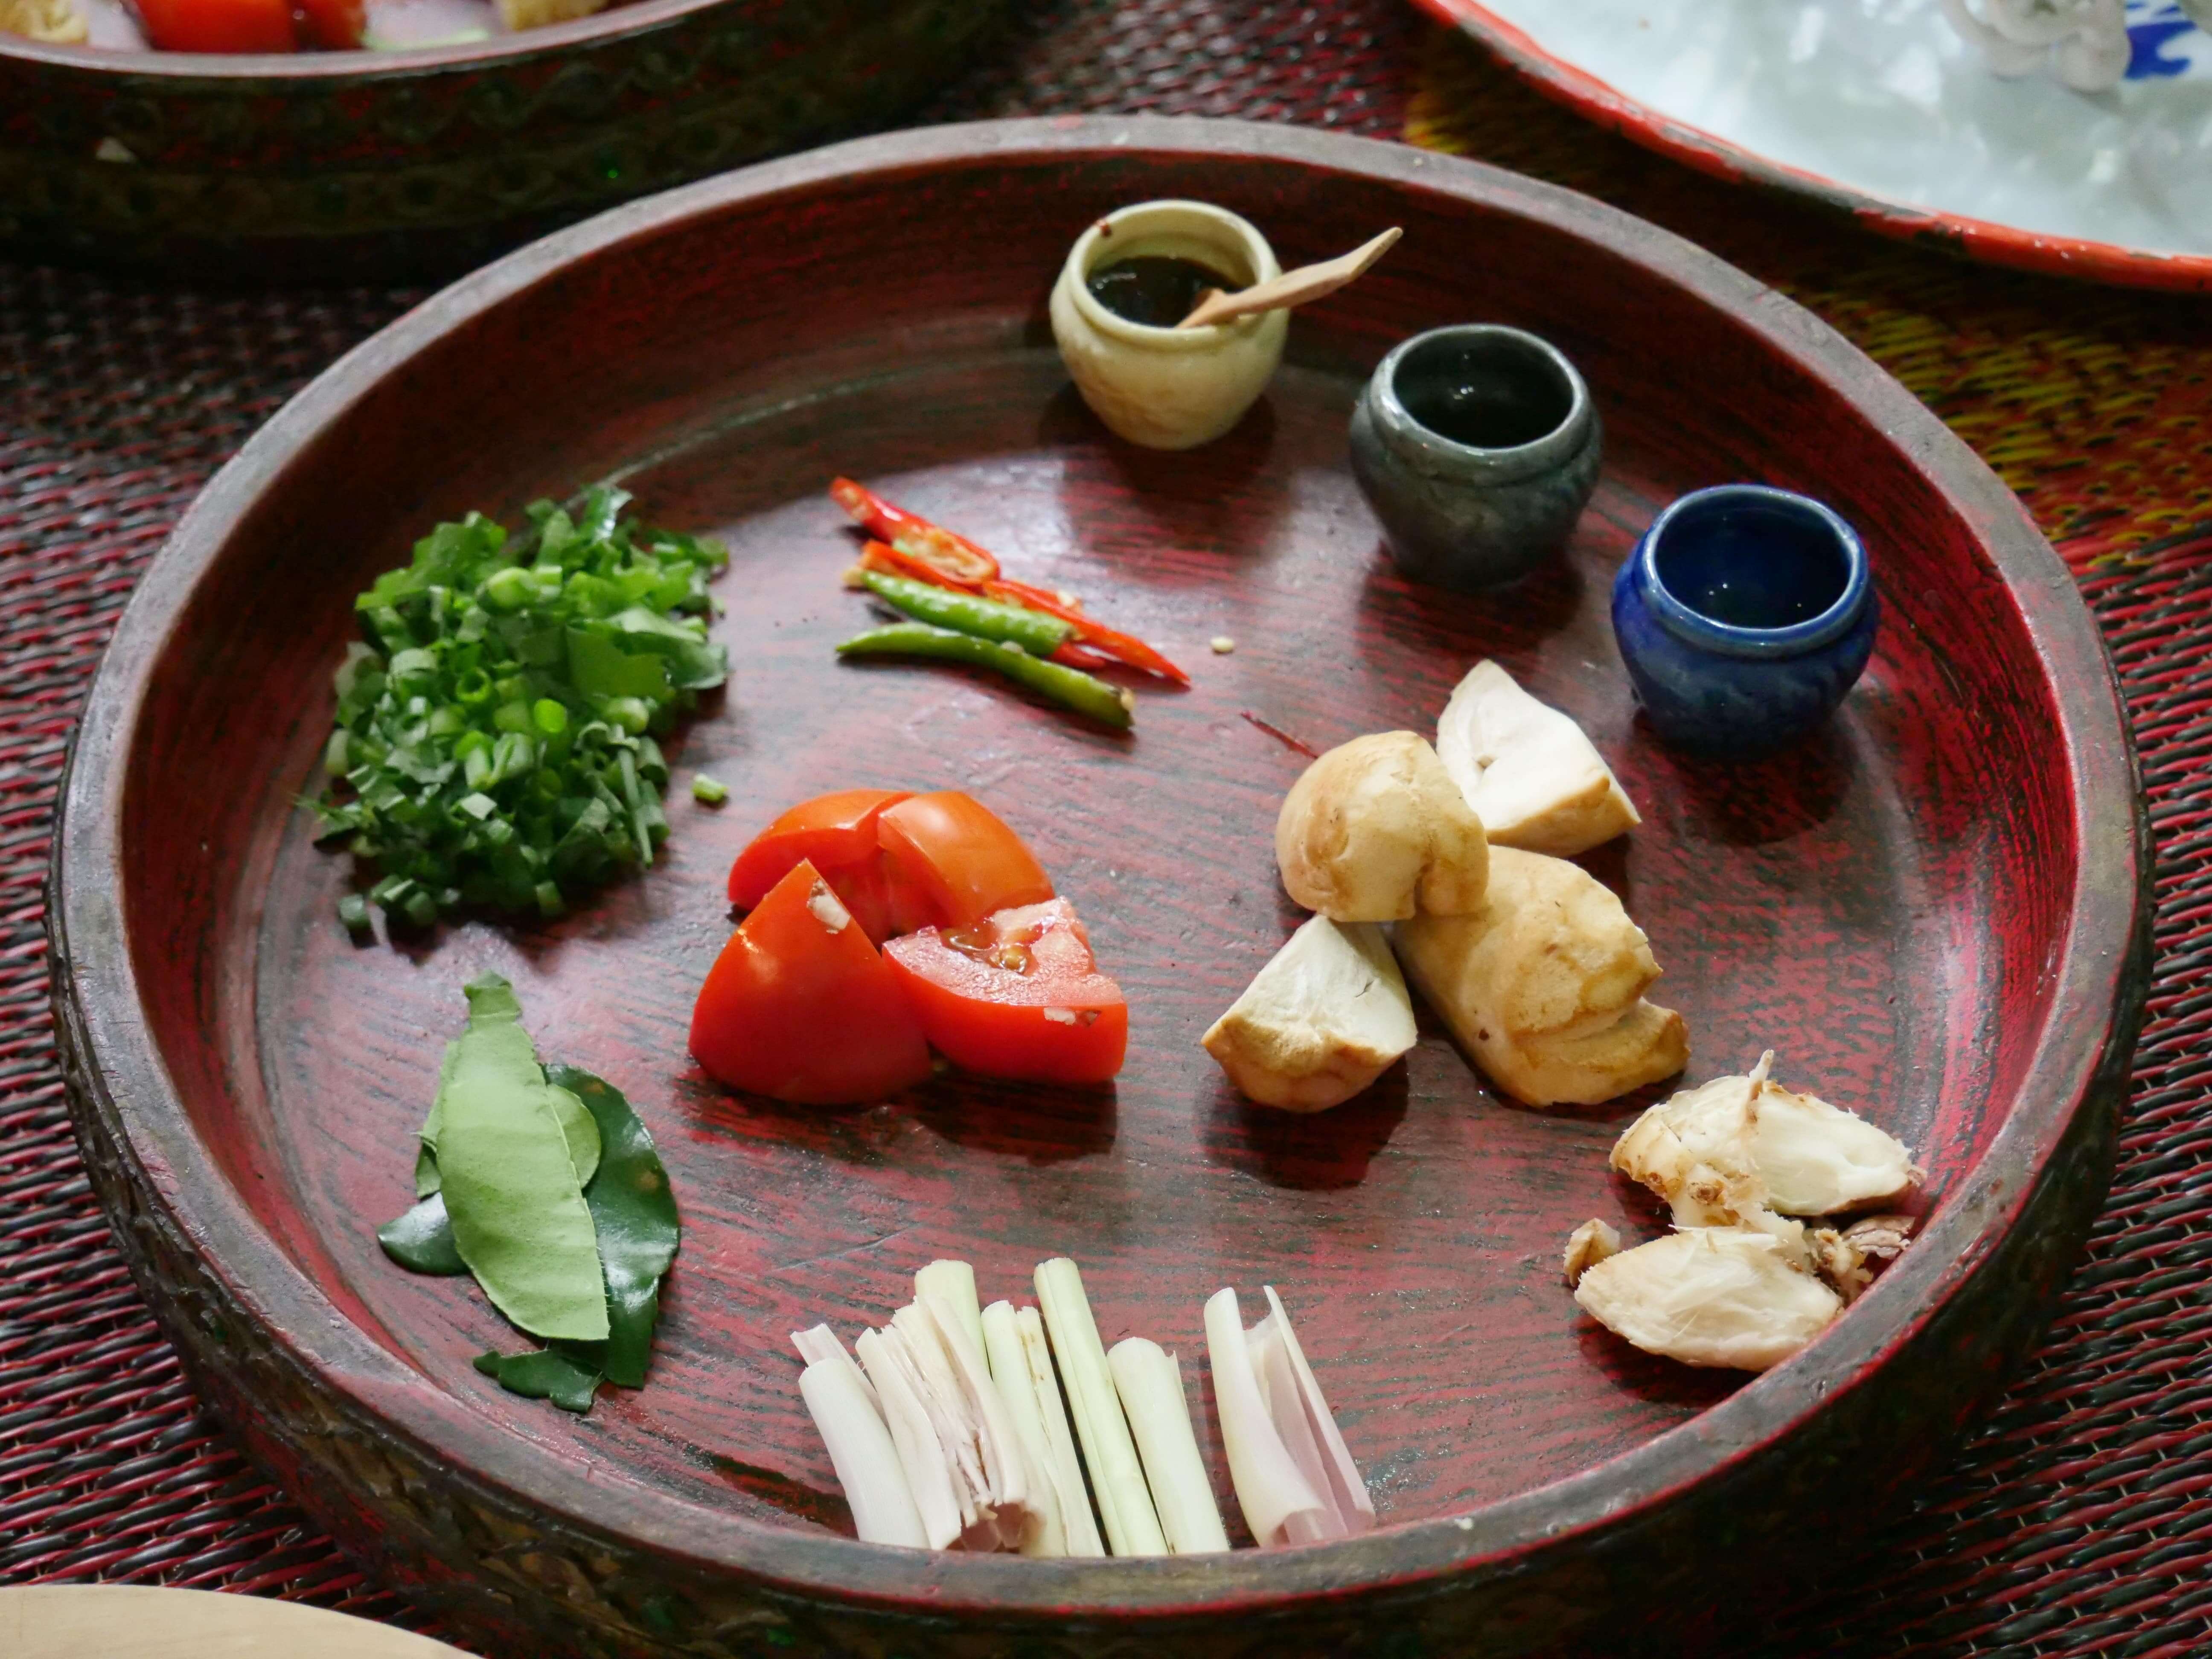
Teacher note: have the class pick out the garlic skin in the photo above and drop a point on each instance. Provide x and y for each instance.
(1375, 828)
(1587, 1245)
(1531, 776)
(1722, 1297)
(1544, 985)
(1327, 1015)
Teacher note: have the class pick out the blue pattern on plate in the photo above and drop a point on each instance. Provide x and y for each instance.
(2155, 25)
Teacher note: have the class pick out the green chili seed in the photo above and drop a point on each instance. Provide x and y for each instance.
(1035, 632)
(1071, 687)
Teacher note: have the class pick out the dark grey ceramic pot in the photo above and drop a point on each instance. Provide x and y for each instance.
(1478, 447)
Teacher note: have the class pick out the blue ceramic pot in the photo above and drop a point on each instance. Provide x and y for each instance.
(1478, 448)
(1744, 615)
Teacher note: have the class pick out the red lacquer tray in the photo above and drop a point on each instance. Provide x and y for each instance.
(1934, 913)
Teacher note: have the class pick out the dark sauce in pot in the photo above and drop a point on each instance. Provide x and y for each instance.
(1157, 290)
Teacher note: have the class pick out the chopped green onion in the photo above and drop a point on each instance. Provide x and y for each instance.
(353, 910)
(709, 791)
(491, 744)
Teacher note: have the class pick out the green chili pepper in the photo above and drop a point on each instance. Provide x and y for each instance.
(1071, 687)
(1035, 632)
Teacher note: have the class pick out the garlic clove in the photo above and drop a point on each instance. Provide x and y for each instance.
(1587, 1245)
(1327, 1015)
(1723, 1297)
(1375, 828)
(1531, 776)
(1718, 1150)
(1819, 1159)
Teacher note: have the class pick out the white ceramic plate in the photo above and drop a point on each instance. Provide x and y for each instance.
(1880, 105)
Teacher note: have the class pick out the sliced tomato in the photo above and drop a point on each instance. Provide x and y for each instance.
(881, 898)
(830, 832)
(1016, 995)
(218, 25)
(801, 1007)
(333, 25)
(961, 856)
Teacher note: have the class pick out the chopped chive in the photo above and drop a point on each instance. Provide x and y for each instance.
(489, 746)
(709, 791)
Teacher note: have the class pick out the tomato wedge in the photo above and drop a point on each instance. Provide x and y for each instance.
(334, 25)
(830, 831)
(801, 1007)
(1016, 995)
(961, 857)
(217, 25)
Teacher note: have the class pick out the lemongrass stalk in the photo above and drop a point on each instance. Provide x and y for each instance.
(1010, 1375)
(1279, 1504)
(913, 1438)
(1009, 1490)
(1150, 1384)
(862, 1452)
(1348, 1489)
(1117, 1479)
(1076, 1520)
(955, 1282)
(912, 1336)
(820, 1347)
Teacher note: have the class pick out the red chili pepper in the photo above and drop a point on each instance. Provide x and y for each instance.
(908, 546)
(883, 557)
(1072, 655)
(954, 556)
(1125, 648)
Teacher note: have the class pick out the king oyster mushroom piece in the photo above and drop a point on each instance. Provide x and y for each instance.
(1375, 828)
(1710, 1296)
(1544, 985)
(1322, 1020)
(1531, 776)
(1808, 1156)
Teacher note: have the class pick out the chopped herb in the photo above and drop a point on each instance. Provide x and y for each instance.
(495, 731)
(709, 791)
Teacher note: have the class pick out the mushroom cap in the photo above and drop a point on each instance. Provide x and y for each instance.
(1375, 828)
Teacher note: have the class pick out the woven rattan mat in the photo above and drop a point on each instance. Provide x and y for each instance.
(2077, 1521)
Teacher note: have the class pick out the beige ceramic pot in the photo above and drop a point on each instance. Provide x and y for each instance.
(1168, 388)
